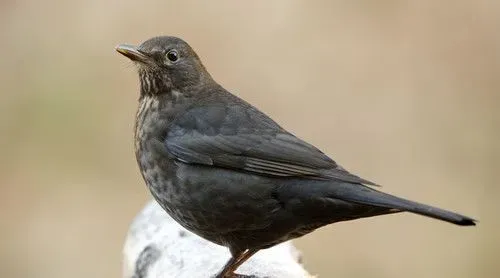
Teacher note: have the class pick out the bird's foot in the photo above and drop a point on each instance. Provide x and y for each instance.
(236, 275)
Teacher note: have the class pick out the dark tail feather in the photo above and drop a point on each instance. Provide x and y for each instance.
(369, 196)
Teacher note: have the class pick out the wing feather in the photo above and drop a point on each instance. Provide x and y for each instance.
(232, 140)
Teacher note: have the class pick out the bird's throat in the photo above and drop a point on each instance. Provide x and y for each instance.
(154, 83)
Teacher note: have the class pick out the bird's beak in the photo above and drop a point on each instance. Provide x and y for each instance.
(131, 52)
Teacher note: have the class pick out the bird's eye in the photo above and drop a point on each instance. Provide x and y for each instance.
(173, 56)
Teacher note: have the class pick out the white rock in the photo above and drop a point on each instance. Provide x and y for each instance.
(157, 246)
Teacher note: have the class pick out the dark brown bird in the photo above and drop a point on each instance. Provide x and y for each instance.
(230, 174)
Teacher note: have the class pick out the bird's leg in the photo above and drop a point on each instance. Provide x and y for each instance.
(237, 258)
(244, 258)
(228, 269)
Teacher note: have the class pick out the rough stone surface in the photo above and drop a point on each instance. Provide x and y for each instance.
(156, 246)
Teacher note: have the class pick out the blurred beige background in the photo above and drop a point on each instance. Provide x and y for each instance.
(402, 93)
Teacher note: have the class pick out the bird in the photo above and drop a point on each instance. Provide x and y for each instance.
(230, 174)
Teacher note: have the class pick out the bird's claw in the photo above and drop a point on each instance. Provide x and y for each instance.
(236, 275)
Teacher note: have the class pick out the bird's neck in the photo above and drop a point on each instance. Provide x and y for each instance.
(156, 111)
(159, 84)
(154, 84)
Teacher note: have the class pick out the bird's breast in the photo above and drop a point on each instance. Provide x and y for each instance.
(151, 127)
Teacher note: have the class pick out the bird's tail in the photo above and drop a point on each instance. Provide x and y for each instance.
(368, 196)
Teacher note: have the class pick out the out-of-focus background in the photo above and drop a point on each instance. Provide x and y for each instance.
(403, 93)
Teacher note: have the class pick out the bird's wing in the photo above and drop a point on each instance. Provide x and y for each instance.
(242, 138)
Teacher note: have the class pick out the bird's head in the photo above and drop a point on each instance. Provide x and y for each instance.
(166, 64)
